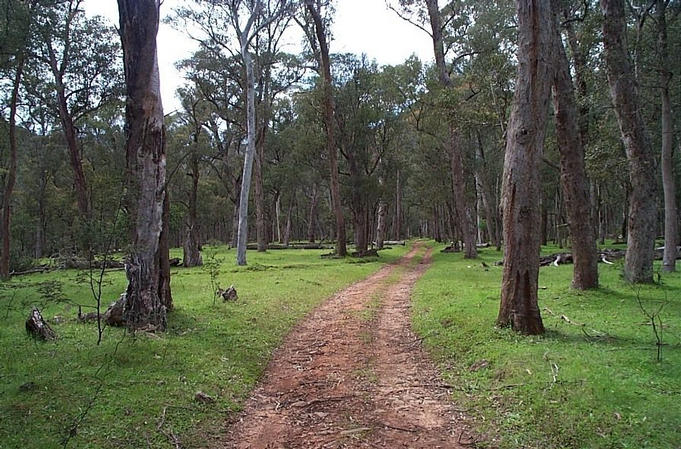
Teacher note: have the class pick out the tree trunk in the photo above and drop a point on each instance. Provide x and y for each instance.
(398, 208)
(242, 238)
(671, 228)
(146, 162)
(277, 213)
(380, 224)
(6, 232)
(325, 63)
(259, 189)
(312, 217)
(573, 172)
(520, 191)
(462, 204)
(638, 264)
(192, 239)
(164, 257)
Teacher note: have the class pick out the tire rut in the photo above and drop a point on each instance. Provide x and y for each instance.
(353, 375)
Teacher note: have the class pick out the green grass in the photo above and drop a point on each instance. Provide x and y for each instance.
(128, 381)
(566, 389)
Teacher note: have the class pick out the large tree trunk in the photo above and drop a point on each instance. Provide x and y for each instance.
(332, 151)
(573, 172)
(11, 177)
(242, 238)
(671, 228)
(192, 238)
(638, 264)
(464, 208)
(524, 143)
(146, 162)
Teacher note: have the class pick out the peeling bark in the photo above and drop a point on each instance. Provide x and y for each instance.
(146, 163)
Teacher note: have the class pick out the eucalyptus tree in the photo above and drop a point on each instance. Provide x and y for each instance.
(147, 293)
(642, 218)
(315, 23)
(79, 56)
(16, 22)
(245, 21)
(520, 190)
(572, 168)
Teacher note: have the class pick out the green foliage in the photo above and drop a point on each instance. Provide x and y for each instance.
(127, 381)
(592, 381)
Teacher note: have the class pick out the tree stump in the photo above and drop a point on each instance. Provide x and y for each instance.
(229, 294)
(38, 328)
(114, 314)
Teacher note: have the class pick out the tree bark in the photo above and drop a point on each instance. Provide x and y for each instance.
(671, 228)
(259, 189)
(380, 224)
(573, 172)
(312, 216)
(638, 264)
(398, 208)
(464, 208)
(5, 232)
(192, 239)
(146, 162)
(242, 238)
(332, 152)
(524, 143)
(164, 292)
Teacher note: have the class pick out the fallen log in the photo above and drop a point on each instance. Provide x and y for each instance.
(367, 253)
(605, 256)
(38, 328)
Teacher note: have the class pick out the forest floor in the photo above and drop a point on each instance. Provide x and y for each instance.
(353, 374)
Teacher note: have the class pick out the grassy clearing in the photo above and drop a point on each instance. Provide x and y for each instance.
(592, 386)
(121, 388)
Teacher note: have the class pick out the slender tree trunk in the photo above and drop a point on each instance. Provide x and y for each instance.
(312, 216)
(380, 224)
(235, 226)
(192, 239)
(287, 229)
(671, 228)
(398, 208)
(242, 238)
(320, 32)
(259, 189)
(277, 212)
(638, 264)
(6, 232)
(164, 257)
(146, 162)
(524, 142)
(463, 205)
(573, 172)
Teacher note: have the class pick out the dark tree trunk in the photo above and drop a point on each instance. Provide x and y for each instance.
(573, 172)
(462, 204)
(146, 160)
(671, 227)
(332, 152)
(524, 142)
(380, 224)
(164, 257)
(638, 264)
(11, 177)
(192, 239)
(398, 208)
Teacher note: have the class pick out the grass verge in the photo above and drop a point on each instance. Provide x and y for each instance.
(590, 382)
(138, 391)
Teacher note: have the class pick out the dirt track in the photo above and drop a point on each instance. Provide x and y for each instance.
(353, 375)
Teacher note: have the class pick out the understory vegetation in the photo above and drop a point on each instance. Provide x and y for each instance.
(592, 381)
(139, 390)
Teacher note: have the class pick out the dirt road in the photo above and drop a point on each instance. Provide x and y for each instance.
(353, 375)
